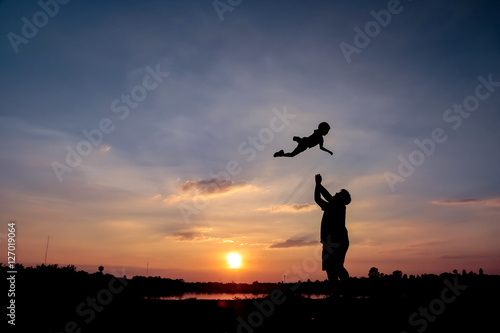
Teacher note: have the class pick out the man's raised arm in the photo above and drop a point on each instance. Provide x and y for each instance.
(318, 191)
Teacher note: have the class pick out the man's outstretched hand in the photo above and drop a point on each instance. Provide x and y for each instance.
(318, 178)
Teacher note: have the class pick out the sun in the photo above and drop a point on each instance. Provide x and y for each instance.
(234, 260)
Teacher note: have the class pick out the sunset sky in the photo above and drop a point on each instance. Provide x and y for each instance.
(142, 133)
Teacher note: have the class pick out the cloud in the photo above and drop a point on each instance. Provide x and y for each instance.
(210, 186)
(194, 234)
(189, 235)
(429, 244)
(201, 234)
(493, 202)
(293, 243)
(213, 187)
(454, 201)
(292, 208)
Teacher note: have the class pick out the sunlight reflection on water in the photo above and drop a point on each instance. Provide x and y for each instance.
(223, 296)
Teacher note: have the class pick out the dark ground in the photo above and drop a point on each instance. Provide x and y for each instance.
(64, 300)
(469, 314)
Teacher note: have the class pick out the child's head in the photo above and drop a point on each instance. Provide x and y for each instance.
(324, 128)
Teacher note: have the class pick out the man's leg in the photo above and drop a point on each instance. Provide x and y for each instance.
(344, 282)
(333, 282)
(343, 274)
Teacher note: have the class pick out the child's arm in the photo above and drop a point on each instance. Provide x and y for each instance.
(323, 148)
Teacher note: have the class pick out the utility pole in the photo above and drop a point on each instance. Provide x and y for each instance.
(46, 250)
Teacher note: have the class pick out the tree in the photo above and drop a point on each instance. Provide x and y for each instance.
(397, 274)
(101, 269)
(373, 273)
(481, 272)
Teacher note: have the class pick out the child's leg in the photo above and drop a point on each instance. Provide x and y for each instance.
(279, 153)
(299, 149)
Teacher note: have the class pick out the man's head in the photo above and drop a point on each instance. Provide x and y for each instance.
(344, 196)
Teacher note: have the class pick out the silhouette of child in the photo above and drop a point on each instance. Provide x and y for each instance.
(308, 142)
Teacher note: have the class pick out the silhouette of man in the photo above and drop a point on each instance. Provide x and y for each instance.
(334, 235)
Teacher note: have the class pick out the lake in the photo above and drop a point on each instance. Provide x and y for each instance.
(223, 296)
